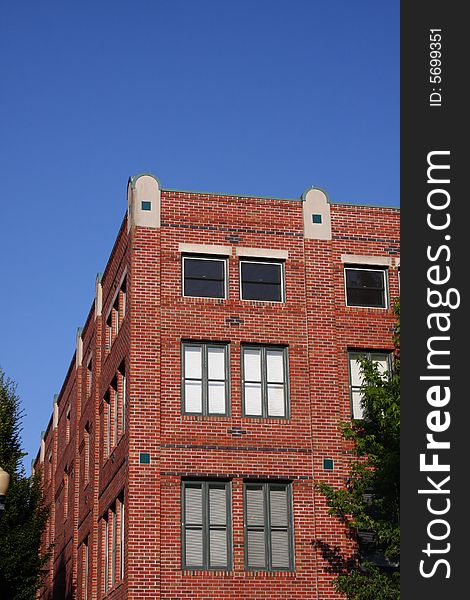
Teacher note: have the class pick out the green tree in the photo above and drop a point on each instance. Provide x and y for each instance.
(25, 514)
(370, 504)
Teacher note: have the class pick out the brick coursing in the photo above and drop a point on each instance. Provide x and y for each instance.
(316, 326)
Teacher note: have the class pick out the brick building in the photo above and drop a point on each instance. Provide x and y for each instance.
(204, 396)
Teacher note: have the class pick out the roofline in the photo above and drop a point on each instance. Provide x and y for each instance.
(301, 199)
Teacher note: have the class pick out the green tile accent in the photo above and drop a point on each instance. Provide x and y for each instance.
(146, 205)
(144, 458)
(316, 219)
(328, 464)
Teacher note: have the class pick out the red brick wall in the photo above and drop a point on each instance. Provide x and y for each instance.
(318, 329)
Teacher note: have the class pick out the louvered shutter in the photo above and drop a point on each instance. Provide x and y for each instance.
(255, 519)
(218, 526)
(279, 521)
(193, 526)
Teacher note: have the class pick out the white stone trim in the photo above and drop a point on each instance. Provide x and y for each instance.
(79, 351)
(55, 412)
(98, 297)
(361, 259)
(205, 249)
(263, 253)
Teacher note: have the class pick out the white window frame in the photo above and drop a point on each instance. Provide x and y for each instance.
(222, 259)
(280, 263)
(383, 270)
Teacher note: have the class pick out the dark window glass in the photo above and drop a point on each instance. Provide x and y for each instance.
(365, 287)
(204, 277)
(261, 281)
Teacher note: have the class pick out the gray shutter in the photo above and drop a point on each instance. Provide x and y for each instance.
(279, 515)
(218, 547)
(217, 524)
(256, 549)
(193, 505)
(193, 550)
(217, 505)
(193, 525)
(278, 507)
(255, 506)
(280, 549)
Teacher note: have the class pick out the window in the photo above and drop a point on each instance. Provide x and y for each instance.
(206, 525)
(121, 535)
(265, 390)
(105, 554)
(85, 569)
(382, 359)
(114, 411)
(66, 493)
(262, 280)
(113, 544)
(205, 378)
(268, 527)
(204, 277)
(116, 314)
(87, 455)
(89, 377)
(67, 425)
(123, 393)
(366, 287)
(106, 414)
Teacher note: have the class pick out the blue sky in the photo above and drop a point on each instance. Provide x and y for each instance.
(262, 97)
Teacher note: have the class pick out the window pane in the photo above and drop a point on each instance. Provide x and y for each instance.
(261, 291)
(256, 549)
(253, 272)
(253, 399)
(278, 507)
(204, 288)
(362, 278)
(193, 362)
(255, 506)
(381, 360)
(366, 297)
(280, 549)
(216, 397)
(193, 505)
(218, 547)
(193, 547)
(216, 363)
(199, 268)
(276, 407)
(357, 405)
(275, 366)
(355, 371)
(252, 364)
(217, 505)
(205, 278)
(193, 397)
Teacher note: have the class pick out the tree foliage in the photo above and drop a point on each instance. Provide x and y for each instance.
(370, 503)
(25, 515)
